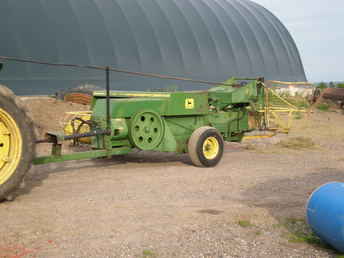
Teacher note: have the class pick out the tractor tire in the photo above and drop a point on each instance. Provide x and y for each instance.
(205, 147)
(17, 143)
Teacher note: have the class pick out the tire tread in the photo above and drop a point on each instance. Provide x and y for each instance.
(193, 143)
(26, 126)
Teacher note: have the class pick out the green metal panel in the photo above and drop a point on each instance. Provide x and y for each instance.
(178, 131)
(126, 104)
(127, 107)
(80, 156)
(187, 103)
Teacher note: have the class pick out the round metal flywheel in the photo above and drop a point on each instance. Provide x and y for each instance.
(147, 130)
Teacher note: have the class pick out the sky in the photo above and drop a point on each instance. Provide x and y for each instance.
(317, 27)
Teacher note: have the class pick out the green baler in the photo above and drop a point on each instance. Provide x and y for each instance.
(193, 122)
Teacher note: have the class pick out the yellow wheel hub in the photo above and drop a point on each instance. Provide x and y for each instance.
(10, 146)
(211, 148)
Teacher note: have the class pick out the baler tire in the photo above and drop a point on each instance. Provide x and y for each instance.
(196, 147)
(18, 132)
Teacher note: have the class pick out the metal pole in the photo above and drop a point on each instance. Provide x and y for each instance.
(108, 115)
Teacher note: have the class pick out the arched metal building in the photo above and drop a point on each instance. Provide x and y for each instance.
(202, 39)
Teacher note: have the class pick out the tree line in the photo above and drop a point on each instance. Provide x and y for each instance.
(324, 85)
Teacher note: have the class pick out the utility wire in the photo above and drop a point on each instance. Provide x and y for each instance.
(103, 68)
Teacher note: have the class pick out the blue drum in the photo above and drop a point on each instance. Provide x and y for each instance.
(325, 214)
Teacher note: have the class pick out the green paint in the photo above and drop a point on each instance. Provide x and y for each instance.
(80, 156)
(164, 121)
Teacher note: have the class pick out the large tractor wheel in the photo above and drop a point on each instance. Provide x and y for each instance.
(17, 143)
(205, 147)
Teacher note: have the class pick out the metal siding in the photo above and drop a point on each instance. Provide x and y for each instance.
(202, 39)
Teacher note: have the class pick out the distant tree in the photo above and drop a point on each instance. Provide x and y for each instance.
(340, 85)
(331, 85)
(322, 85)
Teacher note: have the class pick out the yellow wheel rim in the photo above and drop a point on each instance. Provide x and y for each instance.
(211, 148)
(10, 146)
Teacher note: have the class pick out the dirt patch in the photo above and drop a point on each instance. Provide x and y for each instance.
(297, 143)
(49, 113)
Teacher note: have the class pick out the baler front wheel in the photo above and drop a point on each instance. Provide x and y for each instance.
(17, 143)
(205, 147)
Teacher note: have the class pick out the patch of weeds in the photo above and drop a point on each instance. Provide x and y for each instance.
(300, 232)
(277, 225)
(304, 104)
(298, 116)
(148, 254)
(304, 238)
(301, 103)
(297, 143)
(258, 233)
(323, 107)
(245, 223)
(298, 101)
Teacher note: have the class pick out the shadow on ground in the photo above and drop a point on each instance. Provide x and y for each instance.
(36, 176)
(286, 200)
(288, 197)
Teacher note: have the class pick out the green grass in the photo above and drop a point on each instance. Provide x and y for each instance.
(300, 232)
(258, 233)
(304, 238)
(298, 116)
(148, 254)
(245, 223)
(275, 226)
(298, 101)
(323, 107)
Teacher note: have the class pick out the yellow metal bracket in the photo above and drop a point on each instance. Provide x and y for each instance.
(278, 112)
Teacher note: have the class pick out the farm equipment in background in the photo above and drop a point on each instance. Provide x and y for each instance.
(331, 95)
(193, 122)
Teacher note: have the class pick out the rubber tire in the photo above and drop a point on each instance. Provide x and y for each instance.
(195, 146)
(14, 107)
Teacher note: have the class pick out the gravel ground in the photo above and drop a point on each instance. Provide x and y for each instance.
(158, 205)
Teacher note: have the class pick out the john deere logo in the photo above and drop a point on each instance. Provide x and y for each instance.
(189, 104)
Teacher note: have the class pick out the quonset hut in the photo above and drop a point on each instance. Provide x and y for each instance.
(202, 39)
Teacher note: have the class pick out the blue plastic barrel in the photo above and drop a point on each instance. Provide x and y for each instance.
(325, 214)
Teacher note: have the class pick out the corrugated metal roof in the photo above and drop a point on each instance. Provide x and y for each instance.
(202, 39)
